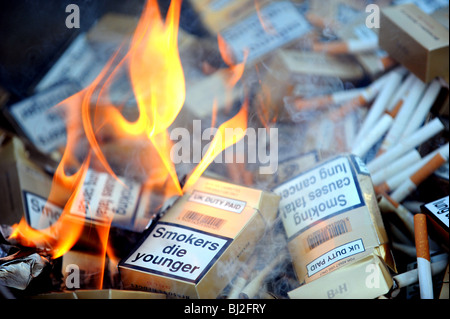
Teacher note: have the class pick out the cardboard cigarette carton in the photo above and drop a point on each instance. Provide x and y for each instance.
(195, 249)
(331, 218)
(415, 40)
(25, 188)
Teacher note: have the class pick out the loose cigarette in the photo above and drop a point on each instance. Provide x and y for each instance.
(348, 46)
(379, 105)
(423, 134)
(423, 107)
(330, 99)
(404, 115)
(423, 173)
(396, 180)
(256, 283)
(373, 136)
(400, 95)
(397, 166)
(242, 279)
(407, 218)
(423, 256)
(411, 277)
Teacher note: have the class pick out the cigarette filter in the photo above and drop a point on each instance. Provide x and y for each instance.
(331, 218)
(397, 166)
(416, 40)
(198, 246)
(400, 176)
(424, 172)
(423, 134)
(423, 256)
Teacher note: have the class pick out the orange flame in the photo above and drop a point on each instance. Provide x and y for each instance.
(158, 84)
(63, 187)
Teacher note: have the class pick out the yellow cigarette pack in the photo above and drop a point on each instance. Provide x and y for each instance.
(199, 244)
(331, 218)
(365, 279)
(416, 40)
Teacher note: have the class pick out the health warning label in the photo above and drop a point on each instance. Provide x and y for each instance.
(318, 194)
(178, 251)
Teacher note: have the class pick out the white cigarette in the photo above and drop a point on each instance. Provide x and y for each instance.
(326, 100)
(412, 277)
(423, 256)
(405, 216)
(401, 93)
(358, 45)
(398, 165)
(396, 180)
(350, 123)
(349, 46)
(424, 172)
(423, 134)
(423, 107)
(379, 105)
(256, 283)
(404, 115)
(373, 136)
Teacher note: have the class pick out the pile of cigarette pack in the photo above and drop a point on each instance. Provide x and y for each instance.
(250, 149)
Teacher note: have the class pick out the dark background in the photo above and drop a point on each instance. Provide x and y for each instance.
(33, 35)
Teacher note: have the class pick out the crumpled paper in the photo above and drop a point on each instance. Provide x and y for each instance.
(18, 269)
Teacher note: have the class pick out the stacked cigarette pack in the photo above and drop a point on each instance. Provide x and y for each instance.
(332, 221)
(201, 241)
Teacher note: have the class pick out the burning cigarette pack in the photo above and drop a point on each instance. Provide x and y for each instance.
(291, 68)
(38, 121)
(416, 40)
(331, 218)
(201, 241)
(272, 26)
(103, 197)
(25, 188)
